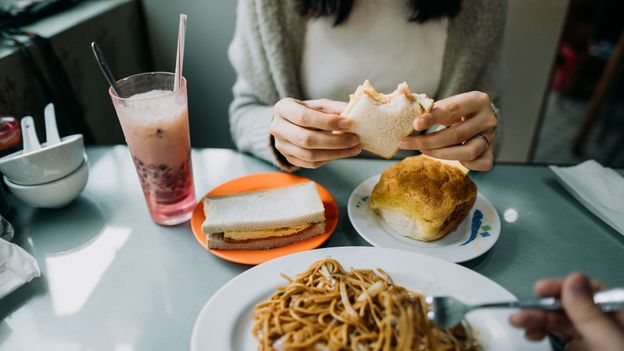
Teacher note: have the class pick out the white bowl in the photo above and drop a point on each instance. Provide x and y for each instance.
(53, 194)
(46, 164)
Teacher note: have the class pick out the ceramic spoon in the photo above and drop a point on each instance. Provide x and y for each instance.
(31, 142)
(52, 134)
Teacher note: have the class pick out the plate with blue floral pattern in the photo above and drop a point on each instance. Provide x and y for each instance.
(474, 236)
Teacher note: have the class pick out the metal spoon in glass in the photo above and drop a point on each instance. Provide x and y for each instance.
(105, 68)
(447, 312)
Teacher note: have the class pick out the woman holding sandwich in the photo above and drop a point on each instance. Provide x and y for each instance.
(298, 60)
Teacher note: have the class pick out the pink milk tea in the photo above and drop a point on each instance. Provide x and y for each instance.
(155, 124)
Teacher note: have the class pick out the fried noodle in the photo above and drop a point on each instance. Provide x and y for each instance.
(327, 308)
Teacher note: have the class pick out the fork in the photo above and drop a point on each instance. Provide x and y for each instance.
(447, 311)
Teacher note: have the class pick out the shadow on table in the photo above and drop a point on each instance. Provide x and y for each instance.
(5, 331)
(480, 261)
(15, 300)
(94, 157)
(565, 194)
(54, 231)
(44, 232)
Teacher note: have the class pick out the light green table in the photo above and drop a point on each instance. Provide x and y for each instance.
(113, 280)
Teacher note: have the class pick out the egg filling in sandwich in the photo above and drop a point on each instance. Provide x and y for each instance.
(264, 219)
(382, 120)
(424, 198)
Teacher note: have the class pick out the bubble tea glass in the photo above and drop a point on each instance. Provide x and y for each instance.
(155, 124)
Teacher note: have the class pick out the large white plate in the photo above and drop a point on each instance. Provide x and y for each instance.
(474, 236)
(225, 322)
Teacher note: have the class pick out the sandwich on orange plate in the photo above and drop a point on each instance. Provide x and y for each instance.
(264, 219)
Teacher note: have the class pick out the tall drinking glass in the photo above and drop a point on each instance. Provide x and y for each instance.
(155, 124)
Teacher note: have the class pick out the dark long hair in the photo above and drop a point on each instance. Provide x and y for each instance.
(422, 10)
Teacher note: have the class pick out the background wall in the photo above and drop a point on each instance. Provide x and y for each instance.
(532, 32)
(531, 38)
(210, 77)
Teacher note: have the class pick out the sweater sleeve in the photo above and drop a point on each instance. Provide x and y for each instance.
(249, 123)
(491, 30)
(251, 110)
(473, 55)
(491, 79)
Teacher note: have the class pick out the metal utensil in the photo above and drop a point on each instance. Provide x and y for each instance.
(52, 134)
(105, 68)
(447, 311)
(29, 134)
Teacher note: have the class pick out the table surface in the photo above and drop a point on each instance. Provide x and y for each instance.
(114, 280)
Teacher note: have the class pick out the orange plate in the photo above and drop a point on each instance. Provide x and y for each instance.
(260, 181)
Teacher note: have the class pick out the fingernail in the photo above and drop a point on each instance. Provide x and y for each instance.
(580, 287)
(514, 319)
(344, 123)
(354, 140)
(356, 151)
(418, 123)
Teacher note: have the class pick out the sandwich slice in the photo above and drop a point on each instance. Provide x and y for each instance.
(382, 120)
(264, 219)
(424, 198)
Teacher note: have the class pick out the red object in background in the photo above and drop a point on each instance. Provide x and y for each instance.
(10, 133)
(563, 72)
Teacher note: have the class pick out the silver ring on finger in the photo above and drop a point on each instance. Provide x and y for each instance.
(485, 141)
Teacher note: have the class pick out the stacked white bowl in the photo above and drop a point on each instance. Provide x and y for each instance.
(48, 175)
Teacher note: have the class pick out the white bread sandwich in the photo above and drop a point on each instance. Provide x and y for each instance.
(381, 120)
(424, 198)
(264, 219)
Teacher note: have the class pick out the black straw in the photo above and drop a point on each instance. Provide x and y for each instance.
(105, 69)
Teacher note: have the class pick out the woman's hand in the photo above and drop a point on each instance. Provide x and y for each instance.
(308, 133)
(582, 326)
(469, 137)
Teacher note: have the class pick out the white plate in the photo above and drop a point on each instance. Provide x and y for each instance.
(225, 322)
(460, 245)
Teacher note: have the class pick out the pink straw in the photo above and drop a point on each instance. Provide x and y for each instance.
(180, 53)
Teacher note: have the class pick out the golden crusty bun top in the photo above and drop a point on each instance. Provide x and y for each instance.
(424, 189)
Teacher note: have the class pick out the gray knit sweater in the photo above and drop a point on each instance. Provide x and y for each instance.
(267, 49)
